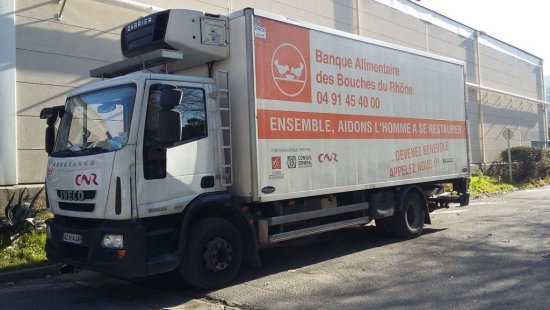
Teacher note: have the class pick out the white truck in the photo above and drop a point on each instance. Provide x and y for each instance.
(243, 131)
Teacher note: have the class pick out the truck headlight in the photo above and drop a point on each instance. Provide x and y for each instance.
(48, 232)
(113, 241)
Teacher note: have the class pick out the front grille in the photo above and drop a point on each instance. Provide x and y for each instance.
(78, 222)
(80, 207)
(74, 252)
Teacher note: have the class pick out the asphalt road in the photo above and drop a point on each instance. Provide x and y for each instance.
(493, 254)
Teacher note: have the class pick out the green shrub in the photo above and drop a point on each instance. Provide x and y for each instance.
(528, 163)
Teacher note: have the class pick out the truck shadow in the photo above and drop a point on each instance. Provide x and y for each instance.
(308, 251)
(168, 290)
(291, 255)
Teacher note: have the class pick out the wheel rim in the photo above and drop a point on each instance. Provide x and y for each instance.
(413, 216)
(218, 254)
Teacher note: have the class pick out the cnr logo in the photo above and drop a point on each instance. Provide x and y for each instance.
(88, 179)
(332, 157)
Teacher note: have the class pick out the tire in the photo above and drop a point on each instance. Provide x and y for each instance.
(213, 254)
(409, 223)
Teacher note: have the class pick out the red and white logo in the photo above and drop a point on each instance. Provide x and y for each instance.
(86, 179)
(289, 69)
(332, 157)
(282, 62)
(49, 172)
(275, 162)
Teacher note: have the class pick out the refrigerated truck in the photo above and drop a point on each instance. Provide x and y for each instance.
(218, 136)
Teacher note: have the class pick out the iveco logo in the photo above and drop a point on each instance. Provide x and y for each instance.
(71, 195)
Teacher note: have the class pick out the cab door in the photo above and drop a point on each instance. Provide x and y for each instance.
(169, 177)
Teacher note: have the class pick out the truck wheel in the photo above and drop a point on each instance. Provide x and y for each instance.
(213, 254)
(409, 223)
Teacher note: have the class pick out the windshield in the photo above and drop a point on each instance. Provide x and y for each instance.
(96, 122)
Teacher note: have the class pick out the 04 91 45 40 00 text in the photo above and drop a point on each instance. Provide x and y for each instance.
(350, 100)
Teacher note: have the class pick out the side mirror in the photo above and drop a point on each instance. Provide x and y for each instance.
(169, 126)
(169, 98)
(169, 119)
(47, 113)
(50, 138)
(51, 115)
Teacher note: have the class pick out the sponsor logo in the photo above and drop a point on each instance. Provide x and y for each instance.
(87, 179)
(304, 161)
(275, 162)
(276, 175)
(300, 161)
(291, 161)
(323, 157)
(291, 150)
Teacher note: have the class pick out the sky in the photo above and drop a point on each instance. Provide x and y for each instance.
(522, 24)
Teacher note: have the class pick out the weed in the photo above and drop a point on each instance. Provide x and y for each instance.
(22, 233)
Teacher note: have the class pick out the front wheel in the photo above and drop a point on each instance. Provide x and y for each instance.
(409, 223)
(213, 254)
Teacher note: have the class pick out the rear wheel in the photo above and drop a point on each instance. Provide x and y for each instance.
(409, 223)
(213, 254)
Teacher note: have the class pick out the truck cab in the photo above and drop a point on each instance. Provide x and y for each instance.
(113, 161)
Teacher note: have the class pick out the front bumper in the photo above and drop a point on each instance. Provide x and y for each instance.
(90, 255)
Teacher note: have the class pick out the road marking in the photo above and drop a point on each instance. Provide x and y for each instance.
(536, 190)
(450, 211)
(482, 203)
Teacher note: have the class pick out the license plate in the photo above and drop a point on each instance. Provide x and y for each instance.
(72, 238)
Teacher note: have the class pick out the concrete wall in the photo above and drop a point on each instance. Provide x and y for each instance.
(53, 56)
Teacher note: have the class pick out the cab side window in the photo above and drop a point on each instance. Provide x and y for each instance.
(192, 110)
(193, 114)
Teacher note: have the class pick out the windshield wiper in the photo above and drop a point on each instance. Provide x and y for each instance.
(64, 153)
(93, 150)
(71, 153)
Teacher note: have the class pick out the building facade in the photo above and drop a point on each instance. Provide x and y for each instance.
(48, 48)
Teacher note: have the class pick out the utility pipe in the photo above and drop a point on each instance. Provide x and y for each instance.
(494, 90)
(133, 5)
(480, 106)
(357, 29)
(544, 107)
